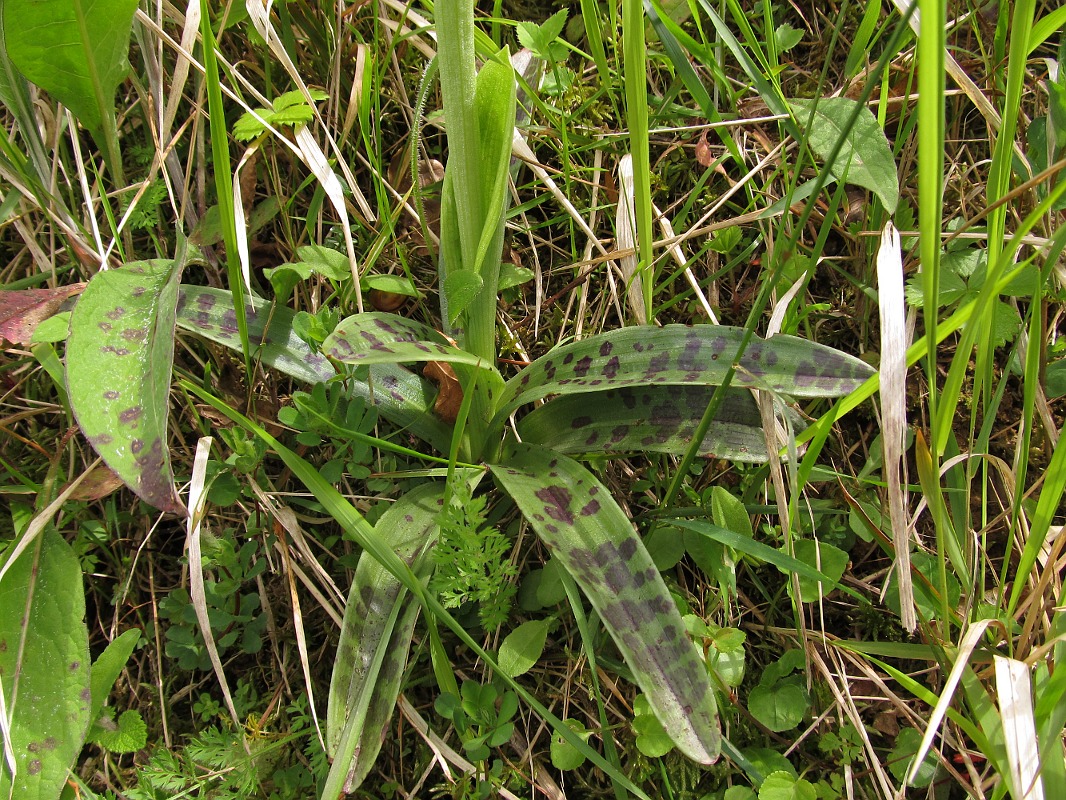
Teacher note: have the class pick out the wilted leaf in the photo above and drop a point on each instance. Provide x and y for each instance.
(449, 391)
(22, 311)
(76, 50)
(98, 484)
(865, 159)
(659, 419)
(44, 649)
(575, 516)
(119, 358)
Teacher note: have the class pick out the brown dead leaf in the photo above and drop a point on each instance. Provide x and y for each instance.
(449, 391)
(703, 151)
(23, 310)
(97, 485)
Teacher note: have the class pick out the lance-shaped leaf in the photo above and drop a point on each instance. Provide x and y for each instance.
(400, 396)
(376, 633)
(380, 338)
(211, 314)
(681, 354)
(593, 539)
(659, 419)
(44, 667)
(119, 358)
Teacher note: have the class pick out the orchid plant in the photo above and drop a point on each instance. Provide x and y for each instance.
(637, 389)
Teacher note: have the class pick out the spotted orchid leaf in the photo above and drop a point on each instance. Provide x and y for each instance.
(659, 419)
(119, 358)
(681, 354)
(400, 396)
(380, 338)
(376, 634)
(210, 313)
(590, 535)
(44, 667)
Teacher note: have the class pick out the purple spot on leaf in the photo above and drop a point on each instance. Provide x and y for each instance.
(116, 313)
(111, 394)
(581, 368)
(556, 501)
(131, 415)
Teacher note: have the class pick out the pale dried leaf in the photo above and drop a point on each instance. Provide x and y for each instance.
(893, 311)
(1015, 690)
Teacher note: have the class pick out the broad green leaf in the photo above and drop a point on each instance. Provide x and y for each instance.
(729, 513)
(522, 647)
(119, 359)
(564, 755)
(781, 705)
(784, 786)
(825, 558)
(76, 50)
(394, 284)
(376, 632)
(902, 756)
(865, 158)
(575, 516)
(399, 395)
(652, 739)
(44, 666)
(379, 338)
(127, 734)
(658, 419)
(682, 354)
(210, 313)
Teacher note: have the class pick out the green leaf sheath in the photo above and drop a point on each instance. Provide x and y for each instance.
(119, 357)
(400, 396)
(591, 536)
(658, 419)
(376, 633)
(44, 667)
(681, 354)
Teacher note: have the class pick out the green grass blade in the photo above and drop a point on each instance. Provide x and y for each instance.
(223, 174)
(634, 68)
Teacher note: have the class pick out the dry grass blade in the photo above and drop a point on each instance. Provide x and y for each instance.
(1014, 686)
(197, 590)
(626, 227)
(893, 315)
